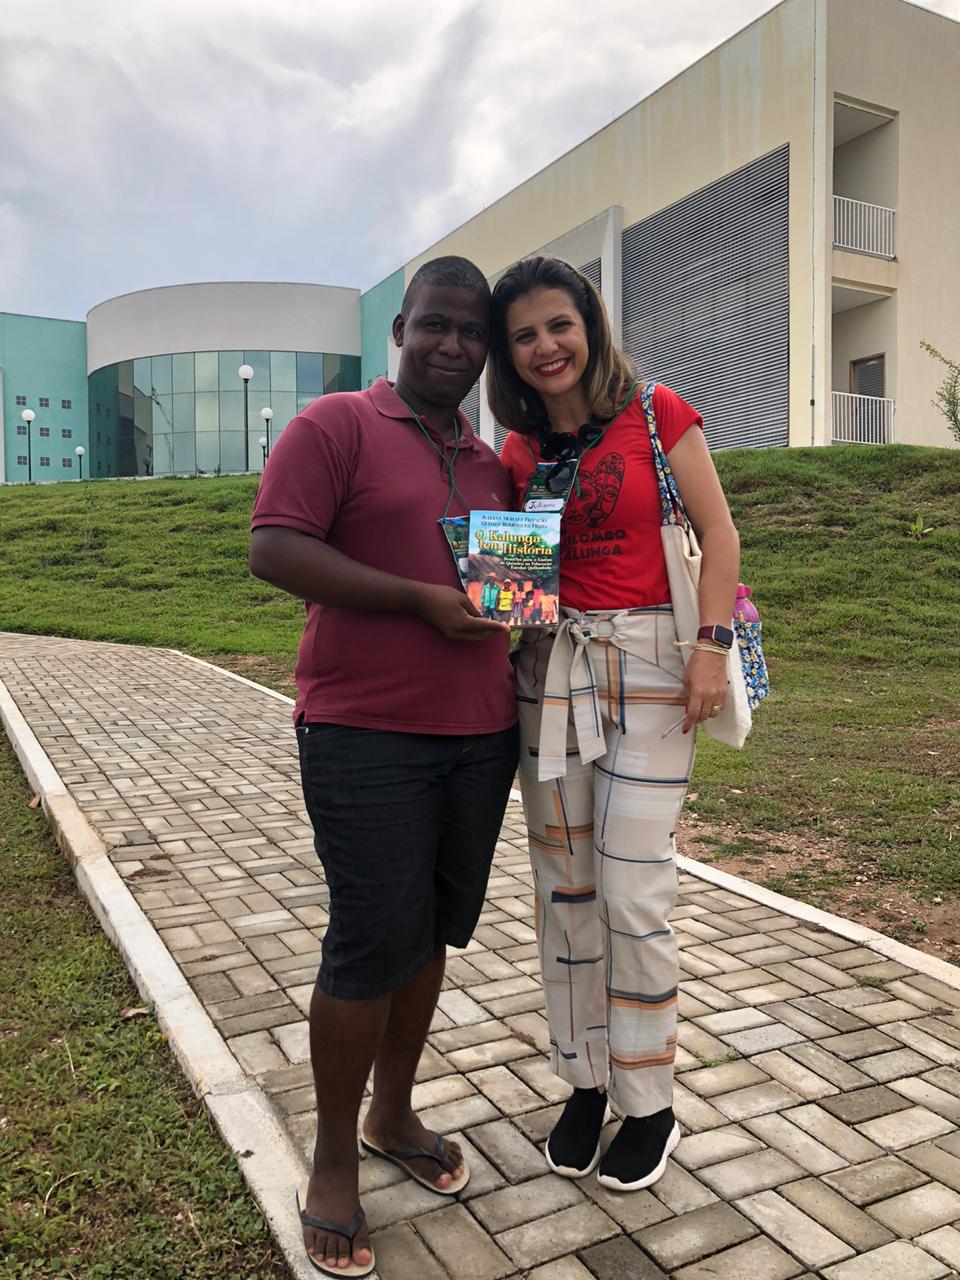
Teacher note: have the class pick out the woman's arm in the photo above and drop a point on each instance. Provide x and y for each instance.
(703, 497)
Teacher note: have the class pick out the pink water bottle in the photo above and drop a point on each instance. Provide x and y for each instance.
(744, 610)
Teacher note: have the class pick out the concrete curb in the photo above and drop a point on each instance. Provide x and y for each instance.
(242, 1113)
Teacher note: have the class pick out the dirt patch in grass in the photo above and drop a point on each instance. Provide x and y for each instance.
(817, 870)
(275, 673)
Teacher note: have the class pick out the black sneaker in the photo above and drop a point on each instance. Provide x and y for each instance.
(573, 1147)
(637, 1156)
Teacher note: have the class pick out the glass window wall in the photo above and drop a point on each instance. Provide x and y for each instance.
(184, 412)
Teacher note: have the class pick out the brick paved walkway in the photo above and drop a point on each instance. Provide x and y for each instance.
(818, 1083)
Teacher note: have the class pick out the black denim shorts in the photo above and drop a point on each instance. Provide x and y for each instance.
(405, 827)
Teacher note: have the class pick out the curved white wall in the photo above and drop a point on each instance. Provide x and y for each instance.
(224, 317)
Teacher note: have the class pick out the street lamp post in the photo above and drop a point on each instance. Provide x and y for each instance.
(266, 413)
(80, 451)
(264, 449)
(246, 373)
(28, 416)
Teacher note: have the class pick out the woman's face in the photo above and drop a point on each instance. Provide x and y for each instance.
(547, 341)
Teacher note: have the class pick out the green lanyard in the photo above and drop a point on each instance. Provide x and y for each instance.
(449, 463)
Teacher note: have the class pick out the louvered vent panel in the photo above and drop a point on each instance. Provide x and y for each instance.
(592, 271)
(470, 407)
(706, 302)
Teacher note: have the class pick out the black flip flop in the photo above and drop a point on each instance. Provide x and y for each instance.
(401, 1157)
(348, 1230)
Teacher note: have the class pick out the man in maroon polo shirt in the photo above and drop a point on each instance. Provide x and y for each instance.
(406, 722)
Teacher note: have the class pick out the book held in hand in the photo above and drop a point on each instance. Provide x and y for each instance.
(513, 566)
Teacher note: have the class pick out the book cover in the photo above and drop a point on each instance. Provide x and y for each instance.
(513, 566)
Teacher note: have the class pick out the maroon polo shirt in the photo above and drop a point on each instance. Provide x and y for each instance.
(355, 470)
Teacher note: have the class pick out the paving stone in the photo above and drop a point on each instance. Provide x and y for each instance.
(794, 1075)
(294, 1040)
(858, 1044)
(928, 1095)
(633, 1212)
(699, 1150)
(709, 1081)
(815, 1058)
(460, 1008)
(569, 1268)
(944, 1243)
(694, 1235)
(507, 1093)
(489, 1054)
(897, 1261)
(760, 1259)
(919, 1038)
(484, 1177)
(802, 1235)
(905, 1128)
(746, 1175)
(257, 1052)
(934, 1161)
(761, 1039)
(509, 1150)
(620, 1259)
(681, 1191)
(892, 1065)
(433, 1093)
(400, 1252)
(756, 1100)
(538, 1075)
(468, 1252)
(864, 1104)
(838, 1215)
(733, 1020)
(923, 1209)
(693, 1112)
(512, 1206)
(795, 1143)
(548, 1238)
(833, 1133)
(460, 1114)
(398, 1202)
(875, 1180)
(462, 1037)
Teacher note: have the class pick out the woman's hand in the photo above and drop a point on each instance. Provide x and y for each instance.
(705, 684)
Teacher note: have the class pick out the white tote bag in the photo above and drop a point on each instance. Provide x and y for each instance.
(682, 553)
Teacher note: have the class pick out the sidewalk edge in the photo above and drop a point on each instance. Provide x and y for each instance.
(241, 1111)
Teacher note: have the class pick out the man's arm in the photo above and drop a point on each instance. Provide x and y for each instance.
(312, 570)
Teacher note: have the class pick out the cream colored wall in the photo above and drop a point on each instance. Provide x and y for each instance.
(752, 94)
(867, 167)
(866, 331)
(899, 56)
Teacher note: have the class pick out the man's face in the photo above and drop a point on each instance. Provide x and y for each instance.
(443, 343)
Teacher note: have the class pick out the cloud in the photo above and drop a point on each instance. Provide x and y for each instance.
(174, 140)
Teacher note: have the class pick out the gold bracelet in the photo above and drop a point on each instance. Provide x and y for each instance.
(700, 646)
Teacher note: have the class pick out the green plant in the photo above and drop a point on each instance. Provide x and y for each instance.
(918, 529)
(947, 399)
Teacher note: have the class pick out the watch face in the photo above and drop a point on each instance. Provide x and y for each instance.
(723, 635)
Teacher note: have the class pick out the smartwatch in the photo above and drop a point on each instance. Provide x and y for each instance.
(717, 635)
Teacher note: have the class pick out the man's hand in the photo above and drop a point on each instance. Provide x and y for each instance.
(454, 615)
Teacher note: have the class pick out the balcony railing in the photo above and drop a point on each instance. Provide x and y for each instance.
(862, 419)
(864, 228)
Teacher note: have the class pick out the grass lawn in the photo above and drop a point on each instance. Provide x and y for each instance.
(109, 1166)
(847, 792)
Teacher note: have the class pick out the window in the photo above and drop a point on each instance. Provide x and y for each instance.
(21, 459)
(21, 428)
(67, 462)
(44, 462)
(67, 433)
(44, 402)
(66, 404)
(45, 432)
(21, 400)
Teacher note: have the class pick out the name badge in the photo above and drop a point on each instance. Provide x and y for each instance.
(550, 485)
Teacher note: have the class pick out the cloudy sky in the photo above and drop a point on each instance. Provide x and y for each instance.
(148, 142)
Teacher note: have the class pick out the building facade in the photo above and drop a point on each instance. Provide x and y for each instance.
(773, 233)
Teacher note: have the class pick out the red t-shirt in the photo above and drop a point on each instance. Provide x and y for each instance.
(611, 555)
(354, 470)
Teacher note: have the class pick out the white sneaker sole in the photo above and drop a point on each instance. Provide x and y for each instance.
(614, 1184)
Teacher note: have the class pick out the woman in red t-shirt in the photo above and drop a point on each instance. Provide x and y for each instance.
(607, 707)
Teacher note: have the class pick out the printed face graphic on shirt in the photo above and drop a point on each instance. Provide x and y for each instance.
(599, 491)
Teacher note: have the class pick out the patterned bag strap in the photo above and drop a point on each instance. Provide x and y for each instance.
(671, 504)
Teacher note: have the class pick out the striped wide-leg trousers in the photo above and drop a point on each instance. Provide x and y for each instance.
(601, 840)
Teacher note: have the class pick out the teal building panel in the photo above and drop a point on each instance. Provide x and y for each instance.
(378, 306)
(43, 367)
